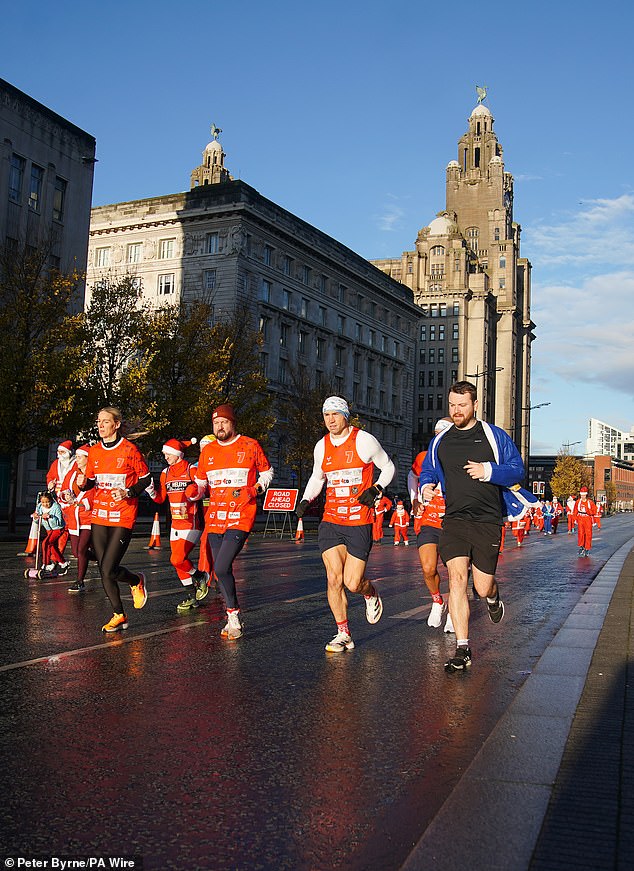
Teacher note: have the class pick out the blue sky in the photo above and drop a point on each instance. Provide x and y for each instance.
(347, 113)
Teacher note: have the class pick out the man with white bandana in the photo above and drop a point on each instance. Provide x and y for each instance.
(344, 460)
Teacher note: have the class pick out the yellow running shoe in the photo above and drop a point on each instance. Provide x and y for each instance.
(116, 622)
(139, 592)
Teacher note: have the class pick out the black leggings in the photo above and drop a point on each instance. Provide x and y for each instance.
(110, 544)
(225, 547)
(81, 545)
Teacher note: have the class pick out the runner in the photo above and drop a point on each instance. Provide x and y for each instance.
(427, 525)
(82, 541)
(344, 460)
(119, 474)
(234, 470)
(58, 478)
(400, 521)
(583, 513)
(187, 521)
(381, 507)
(53, 523)
(478, 466)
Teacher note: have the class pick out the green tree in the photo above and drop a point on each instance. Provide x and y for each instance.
(569, 475)
(40, 350)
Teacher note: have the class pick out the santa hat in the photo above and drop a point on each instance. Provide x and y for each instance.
(400, 502)
(583, 490)
(178, 446)
(206, 440)
(66, 446)
(225, 411)
(83, 450)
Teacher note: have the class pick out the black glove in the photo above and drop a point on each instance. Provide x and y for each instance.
(369, 496)
(301, 508)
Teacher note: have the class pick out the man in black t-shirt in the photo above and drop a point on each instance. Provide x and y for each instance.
(473, 461)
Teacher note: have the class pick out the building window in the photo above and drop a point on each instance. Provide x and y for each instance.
(302, 342)
(472, 236)
(443, 310)
(440, 402)
(323, 316)
(268, 255)
(432, 332)
(358, 332)
(304, 308)
(421, 355)
(496, 234)
(454, 355)
(284, 335)
(59, 199)
(286, 264)
(323, 283)
(16, 177)
(286, 299)
(502, 262)
(264, 327)
(321, 349)
(372, 338)
(423, 333)
(455, 332)
(166, 249)
(338, 356)
(432, 355)
(356, 362)
(433, 310)
(441, 355)
(212, 245)
(368, 396)
(430, 379)
(397, 349)
(306, 275)
(209, 279)
(341, 325)
(438, 251)
(372, 309)
(103, 257)
(502, 283)
(134, 252)
(441, 332)
(454, 376)
(341, 293)
(35, 192)
(264, 362)
(456, 309)
(441, 378)
(282, 371)
(166, 284)
(430, 402)
(265, 290)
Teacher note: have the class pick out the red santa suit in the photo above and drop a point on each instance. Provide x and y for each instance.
(175, 482)
(58, 479)
(597, 516)
(557, 513)
(583, 513)
(570, 504)
(518, 528)
(380, 510)
(400, 522)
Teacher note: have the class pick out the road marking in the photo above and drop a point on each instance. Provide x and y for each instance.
(413, 613)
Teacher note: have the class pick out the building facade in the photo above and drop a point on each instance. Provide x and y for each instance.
(46, 177)
(474, 290)
(317, 303)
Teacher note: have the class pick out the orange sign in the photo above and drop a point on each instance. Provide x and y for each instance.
(280, 500)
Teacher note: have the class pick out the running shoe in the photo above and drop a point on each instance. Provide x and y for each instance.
(233, 628)
(201, 581)
(116, 622)
(496, 610)
(139, 592)
(62, 568)
(373, 608)
(449, 624)
(460, 662)
(436, 614)
(342, 641)
(79, 587)
(188, 604)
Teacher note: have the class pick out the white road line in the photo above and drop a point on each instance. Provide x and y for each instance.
(415, 613)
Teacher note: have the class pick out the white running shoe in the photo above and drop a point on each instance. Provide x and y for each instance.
(233, 629)
(342, 641)
(436, 614)
(449, 624)
(373, 608)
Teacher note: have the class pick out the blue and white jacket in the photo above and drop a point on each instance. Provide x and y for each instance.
(505, 472)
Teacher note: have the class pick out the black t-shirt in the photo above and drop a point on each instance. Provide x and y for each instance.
(466, 498)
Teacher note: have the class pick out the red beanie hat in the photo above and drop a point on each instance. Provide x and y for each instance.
(225, 411)
(178, 446)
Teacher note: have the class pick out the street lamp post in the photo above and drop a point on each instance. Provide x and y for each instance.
(569, 445)
(479, 374)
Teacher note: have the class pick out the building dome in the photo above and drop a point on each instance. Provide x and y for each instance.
(495, 159)
(481, 110)
(453, 163)
(214, 145)
(440, 226)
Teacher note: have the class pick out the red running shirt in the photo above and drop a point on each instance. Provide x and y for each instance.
(347, 476)
(120, 466)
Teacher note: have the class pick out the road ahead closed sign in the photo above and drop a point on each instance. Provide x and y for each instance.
(280, 500)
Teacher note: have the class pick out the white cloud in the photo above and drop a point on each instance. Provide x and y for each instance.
(390, 219)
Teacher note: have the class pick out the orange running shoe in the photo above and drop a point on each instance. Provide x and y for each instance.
(139, 592)
(116, 622)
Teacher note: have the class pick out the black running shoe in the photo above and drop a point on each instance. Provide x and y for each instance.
(460, 662)
(79, 587)
(496, 610)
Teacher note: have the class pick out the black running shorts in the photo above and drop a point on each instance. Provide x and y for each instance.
(478, 541)
(427, 535)
(356, 539)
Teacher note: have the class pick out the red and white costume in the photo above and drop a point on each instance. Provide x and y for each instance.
(380, 510)
(570, 504)
(597, 516)
(429, 513)
(187, 520)
(583, 513)
(400, 522)
(230, 470)
(59, 477)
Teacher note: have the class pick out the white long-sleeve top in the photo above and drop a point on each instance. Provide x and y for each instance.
(369, 451)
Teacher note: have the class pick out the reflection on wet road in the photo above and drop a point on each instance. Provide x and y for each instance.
(168, 743)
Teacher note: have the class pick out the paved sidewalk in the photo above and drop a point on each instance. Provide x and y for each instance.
(552, 788)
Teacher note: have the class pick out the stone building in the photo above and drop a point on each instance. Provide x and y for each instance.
(474, 290)
(46, 177)
(316, 302)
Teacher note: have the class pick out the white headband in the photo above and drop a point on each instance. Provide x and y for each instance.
(336, 403)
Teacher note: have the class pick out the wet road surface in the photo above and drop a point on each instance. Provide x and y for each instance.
(167, 742)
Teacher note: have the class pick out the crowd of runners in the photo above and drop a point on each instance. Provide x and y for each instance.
(464, 493)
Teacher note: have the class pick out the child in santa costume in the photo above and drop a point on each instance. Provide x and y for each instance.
(400, 522)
